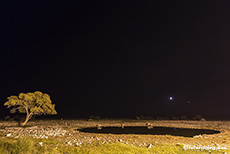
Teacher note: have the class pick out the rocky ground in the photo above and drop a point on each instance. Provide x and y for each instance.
(67, 132)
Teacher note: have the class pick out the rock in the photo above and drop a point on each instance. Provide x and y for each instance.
(150, 145)
(41, 143)
(99, 126)
(196, 136)
(69, 143)
(78, 144)
(149, 125)
(8, 135)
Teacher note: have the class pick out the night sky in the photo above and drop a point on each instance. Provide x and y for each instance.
(117, 58)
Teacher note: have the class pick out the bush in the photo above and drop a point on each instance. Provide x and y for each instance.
(166, 118)
(149, 118)
(202, 119)
(162, 118)
(183, 117)
(197, 117)
(97, 117)
(174, 118)
(137, 118)
(6, 118)
(94, 117)
(142, 117)
(90, 119)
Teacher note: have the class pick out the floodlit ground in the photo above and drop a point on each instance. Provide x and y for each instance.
(61, 136)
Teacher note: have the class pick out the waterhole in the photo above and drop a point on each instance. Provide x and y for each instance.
(186, 132)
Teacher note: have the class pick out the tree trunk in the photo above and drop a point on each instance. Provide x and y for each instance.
(27, 119)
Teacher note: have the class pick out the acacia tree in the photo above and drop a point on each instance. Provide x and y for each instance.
(35, 103)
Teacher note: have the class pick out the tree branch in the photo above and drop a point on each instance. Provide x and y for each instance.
(26, 108)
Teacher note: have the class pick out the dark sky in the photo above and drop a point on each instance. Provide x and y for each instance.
(117, 58)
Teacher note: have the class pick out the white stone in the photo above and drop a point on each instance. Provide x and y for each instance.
(7, 135)
(69, 143)
(150, 145)
(41, 143)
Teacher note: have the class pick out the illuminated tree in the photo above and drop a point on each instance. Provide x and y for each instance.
(35, 103)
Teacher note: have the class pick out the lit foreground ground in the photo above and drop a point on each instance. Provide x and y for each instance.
(60, 136)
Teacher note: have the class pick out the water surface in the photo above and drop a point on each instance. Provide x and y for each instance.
(186, 132)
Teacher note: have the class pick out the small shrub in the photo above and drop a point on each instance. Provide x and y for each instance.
(137, 118)
(97, 117)
(202, 119)
(94, 117)
(6, 118)
(142, 117)
(90, 119)
(162, 118)
(197, 117)
(150, 118)
(183, 117)
(174, 118)
(166, 118)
